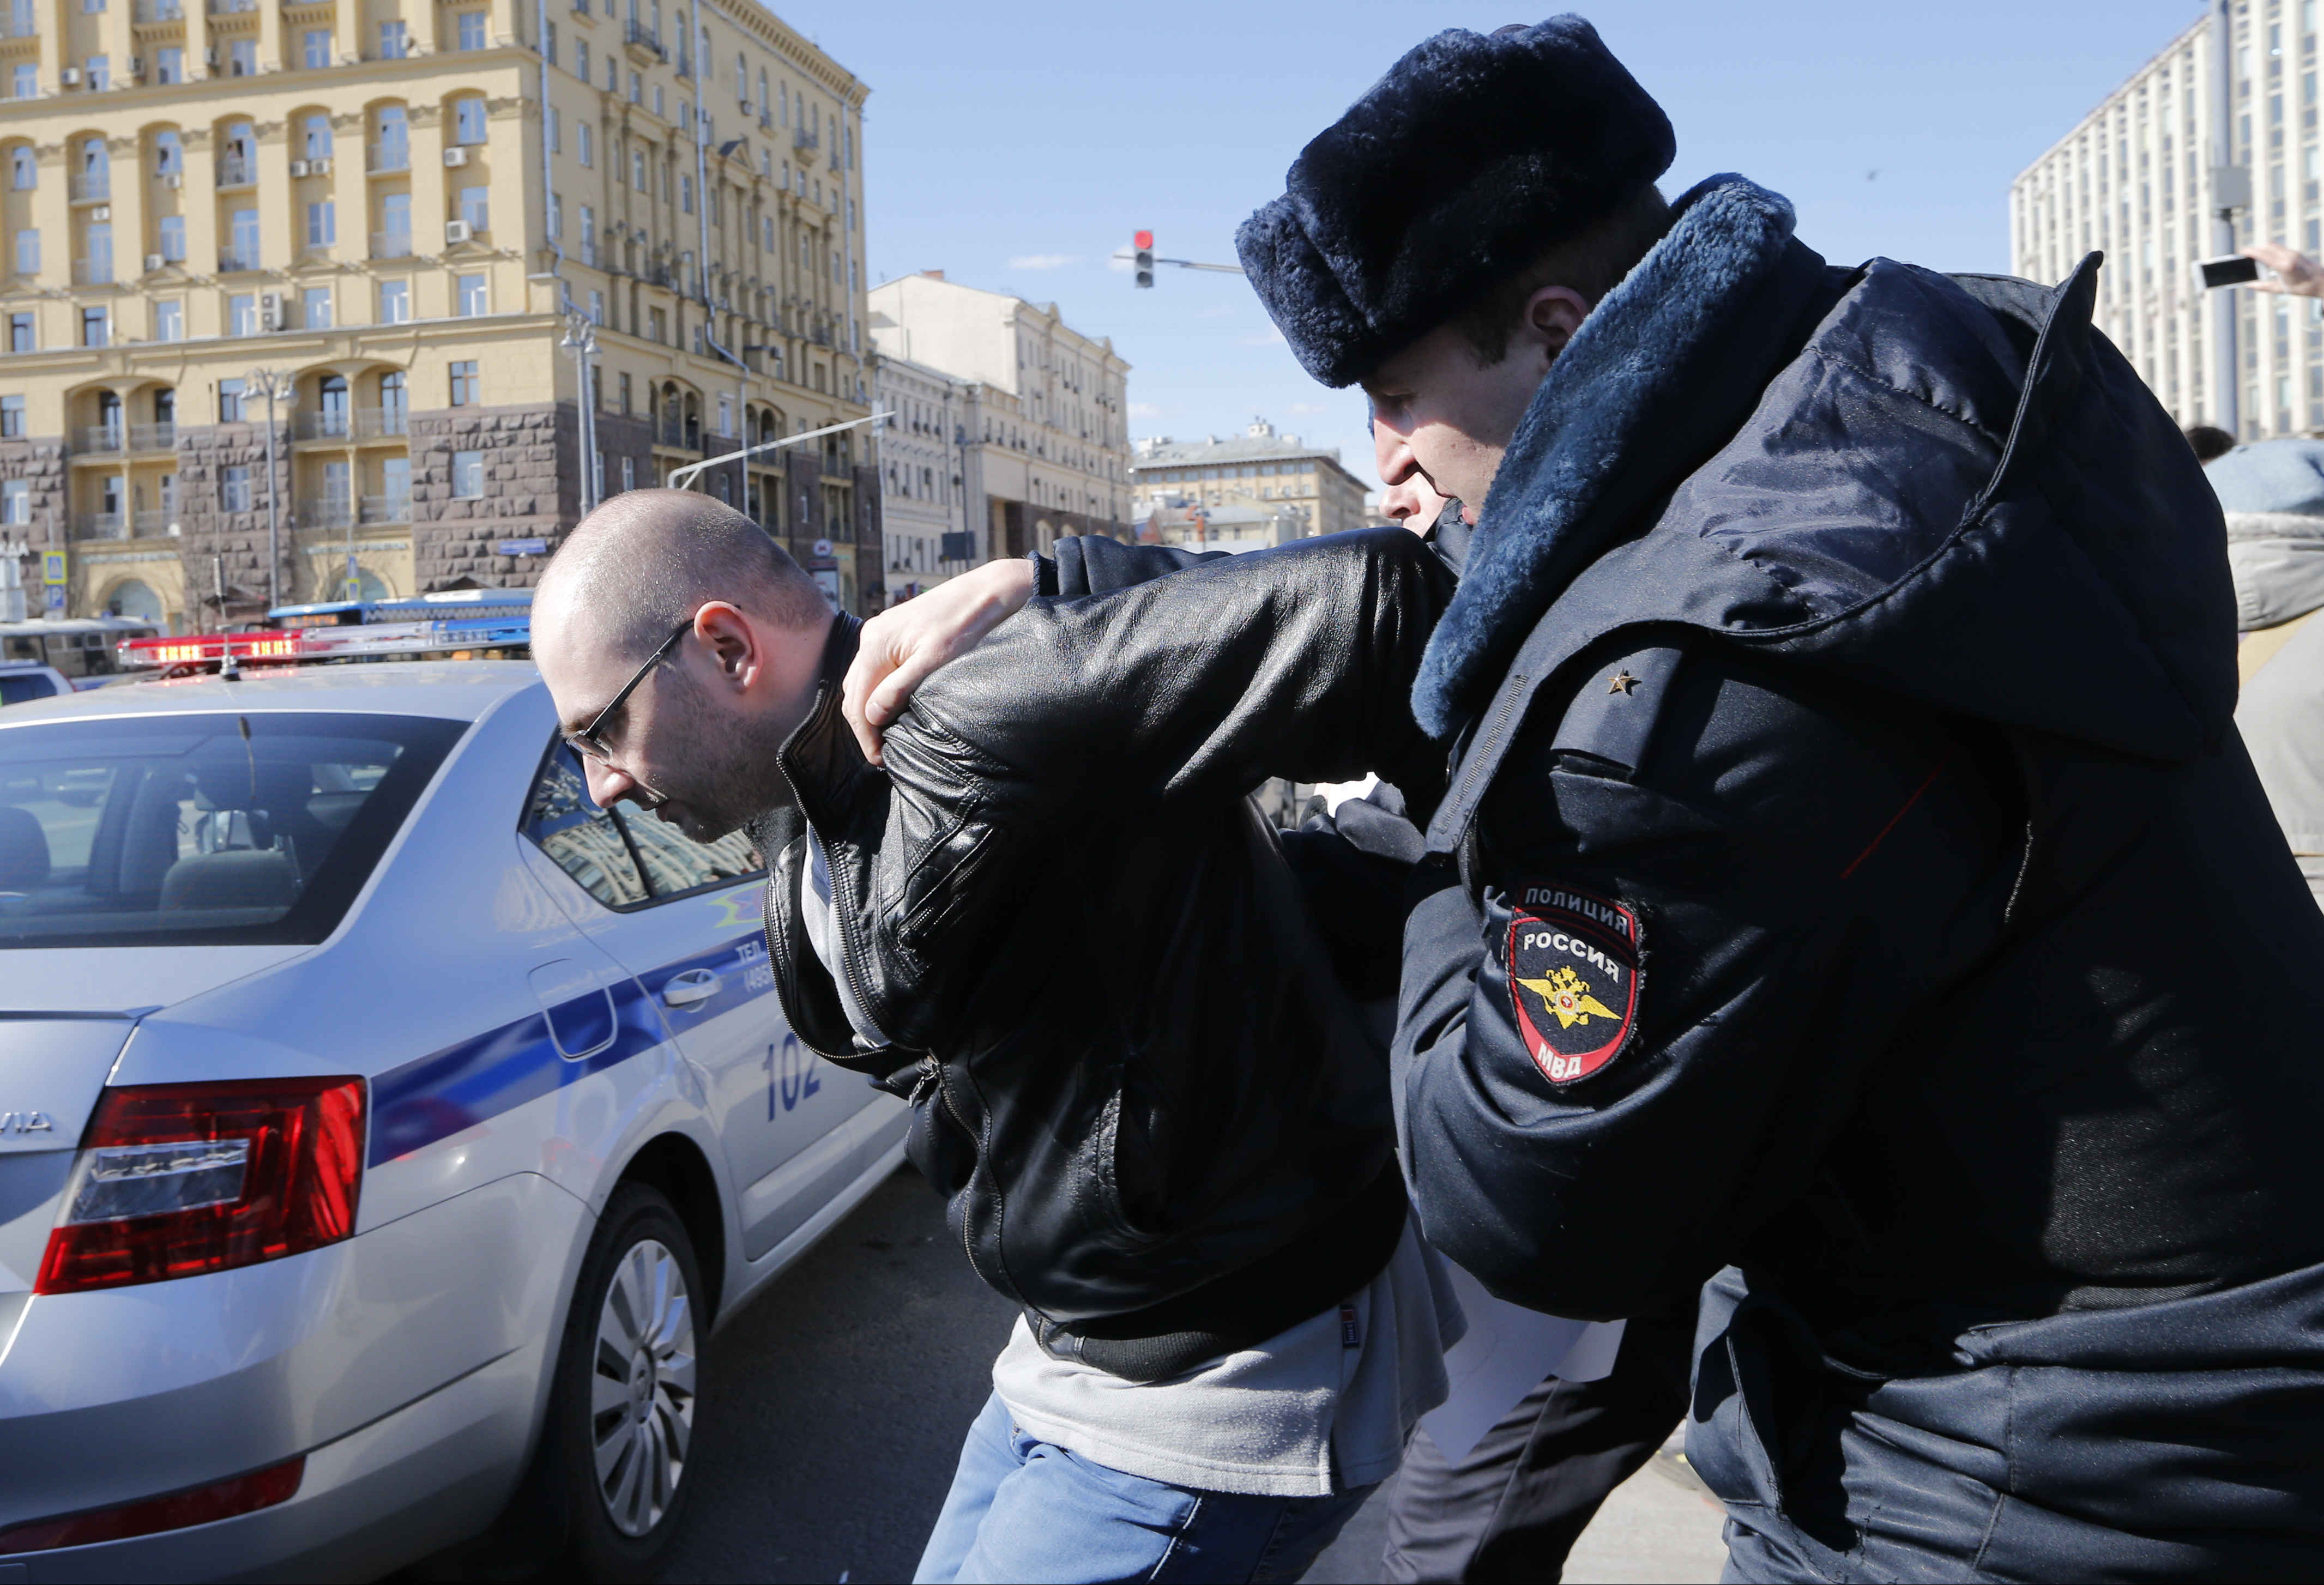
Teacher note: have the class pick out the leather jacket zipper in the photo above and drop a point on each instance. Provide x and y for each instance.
(847, 964)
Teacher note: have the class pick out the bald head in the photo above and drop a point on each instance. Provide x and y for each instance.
(647, 560)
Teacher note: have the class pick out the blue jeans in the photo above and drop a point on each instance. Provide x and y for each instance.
(1022, 1509)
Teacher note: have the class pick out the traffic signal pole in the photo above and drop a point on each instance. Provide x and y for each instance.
(1142, 261)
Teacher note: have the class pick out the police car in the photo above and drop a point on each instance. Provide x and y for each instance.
(383, 1129)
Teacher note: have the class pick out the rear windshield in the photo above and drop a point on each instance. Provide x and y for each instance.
(22, 687)
(209, 830)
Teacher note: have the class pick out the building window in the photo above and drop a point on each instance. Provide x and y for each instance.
(315, 49)
(242, 314)
(471, 30)
(173, 239)
(466, 389)
(625, 391)
(476, 209)
(589, 238)
(16, 494)
(638, 169)
(242, 247)
(597, 307)
(629, 473)
(584, 143)
(170, 65)
(241, 57)
(322, 224)
(24, 170)
(12, 419)
(556, 213)
(169, 320)
(468, 121)
(394, 302)
(657, 326)
(28, 252)
(686, 194)
(726, 416)
(467, 475)
(233, 488)
(637, 90)
(316, 308)
(394, 41)
(100, 73)
(319, 137)
(96, 326)
(581, 59)
(473, 298)
(230, 401)
(556, 130)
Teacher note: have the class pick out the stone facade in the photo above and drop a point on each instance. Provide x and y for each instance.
(531, 488)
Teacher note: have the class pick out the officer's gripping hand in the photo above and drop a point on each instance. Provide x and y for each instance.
(902, 646)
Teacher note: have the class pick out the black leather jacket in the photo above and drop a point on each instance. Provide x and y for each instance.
(1162, 1127)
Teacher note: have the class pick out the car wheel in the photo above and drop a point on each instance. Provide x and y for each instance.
(617, 1442)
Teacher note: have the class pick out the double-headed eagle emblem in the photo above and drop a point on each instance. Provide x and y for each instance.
(1567, 994)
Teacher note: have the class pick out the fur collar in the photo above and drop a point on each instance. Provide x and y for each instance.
(1572, 479)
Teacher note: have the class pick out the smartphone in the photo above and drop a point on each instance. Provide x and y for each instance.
(2235, 270)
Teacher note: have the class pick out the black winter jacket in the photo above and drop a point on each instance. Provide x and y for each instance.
(1854, 881)
(1161, 1126)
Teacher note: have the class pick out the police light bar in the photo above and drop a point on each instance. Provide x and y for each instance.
(459, 638)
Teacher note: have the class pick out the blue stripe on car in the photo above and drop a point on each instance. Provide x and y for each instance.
(435, 1096)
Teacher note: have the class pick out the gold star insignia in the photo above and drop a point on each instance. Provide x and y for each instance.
(1621, 682)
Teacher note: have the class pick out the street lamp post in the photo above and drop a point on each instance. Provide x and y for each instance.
(275, 386)
(581, 337)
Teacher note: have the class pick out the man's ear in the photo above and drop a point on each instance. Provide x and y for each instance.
(1552, 316)
(729, 637)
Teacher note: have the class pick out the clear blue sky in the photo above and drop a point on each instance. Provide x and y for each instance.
(1016, 143)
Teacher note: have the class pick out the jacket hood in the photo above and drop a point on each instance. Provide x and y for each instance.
(1947, 488)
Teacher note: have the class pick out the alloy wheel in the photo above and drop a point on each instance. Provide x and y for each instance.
(643, 1387)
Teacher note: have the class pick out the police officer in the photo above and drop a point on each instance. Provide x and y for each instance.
(1851, 893)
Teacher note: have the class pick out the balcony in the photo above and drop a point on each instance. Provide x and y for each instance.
(94, 188)
(391, 244)
(101, 525)
(362, 423)
(371, 510)
(92, 272)
(101, 438)
(236, 170)
(232, 7)
(644, 38)
(161, 10)
(394, 155)
(239, 264)
(20, 24)
(160, 436)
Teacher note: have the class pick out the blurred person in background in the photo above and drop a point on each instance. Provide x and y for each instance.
(2273, 494)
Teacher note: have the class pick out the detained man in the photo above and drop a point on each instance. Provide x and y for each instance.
(1054, 924)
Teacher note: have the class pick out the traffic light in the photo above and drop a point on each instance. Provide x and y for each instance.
(1143, 261)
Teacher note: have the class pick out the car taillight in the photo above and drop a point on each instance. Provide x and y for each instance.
(244, 1494)
(175, 1180)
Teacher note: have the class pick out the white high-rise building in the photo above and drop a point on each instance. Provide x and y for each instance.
(2135, 181)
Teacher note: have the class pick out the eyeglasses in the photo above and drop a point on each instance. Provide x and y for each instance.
(584, 741)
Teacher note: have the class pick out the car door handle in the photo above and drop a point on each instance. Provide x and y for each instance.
(692, 986)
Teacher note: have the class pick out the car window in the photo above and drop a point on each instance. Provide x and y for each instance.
(23, 687)
(675, 862)
(199, 828)
(582, 838)
(623, 856)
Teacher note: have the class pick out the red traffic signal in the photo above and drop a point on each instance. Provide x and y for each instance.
(1144, 239)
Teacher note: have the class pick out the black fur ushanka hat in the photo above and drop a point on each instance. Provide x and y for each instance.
(1473, 154)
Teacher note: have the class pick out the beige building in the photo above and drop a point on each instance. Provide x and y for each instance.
(927, 525)
(1048, 449)
(1260, 473)
(374, 201)
(2135, 181)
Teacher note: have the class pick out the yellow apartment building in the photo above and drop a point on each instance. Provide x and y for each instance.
(409, 220)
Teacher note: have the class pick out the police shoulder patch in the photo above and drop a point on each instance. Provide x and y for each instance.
(1574, 976)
